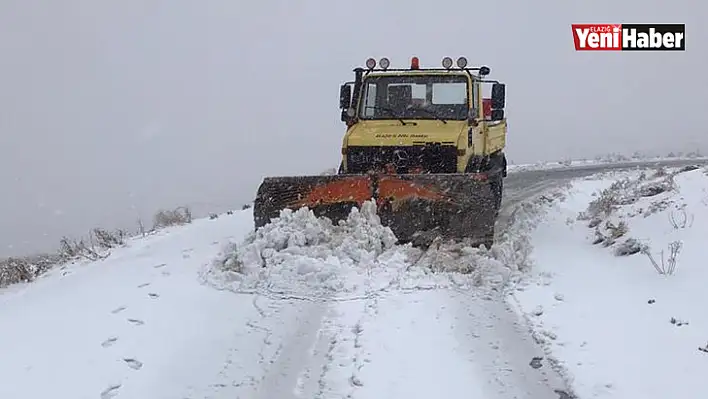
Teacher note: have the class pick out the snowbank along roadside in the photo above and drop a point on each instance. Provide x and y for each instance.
(617, 290)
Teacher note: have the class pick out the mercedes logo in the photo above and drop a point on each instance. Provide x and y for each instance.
(400, 157)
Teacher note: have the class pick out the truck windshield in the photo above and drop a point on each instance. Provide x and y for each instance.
(415, 97)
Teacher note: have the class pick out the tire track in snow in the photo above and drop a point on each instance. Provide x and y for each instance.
(308, 354)
(347, 355)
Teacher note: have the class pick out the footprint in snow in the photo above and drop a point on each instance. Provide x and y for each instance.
(536, 362)
(119, 309)
(133, 363)
(143, 285)
(136, 322)
(563, 394)
(110, 392)
(160, 265)
(109, 342)
(153, 295)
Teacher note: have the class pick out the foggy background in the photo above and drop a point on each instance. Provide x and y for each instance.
(111, 110)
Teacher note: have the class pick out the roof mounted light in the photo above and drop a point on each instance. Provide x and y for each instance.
(484, 71)
(447, 62)
(415, 63)
(461, 62)
(384, 63)
(371, 63)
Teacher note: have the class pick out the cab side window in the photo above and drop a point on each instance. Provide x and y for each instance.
(370, 100)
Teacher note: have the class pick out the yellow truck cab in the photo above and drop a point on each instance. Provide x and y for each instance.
(422, 146)
(424, 120)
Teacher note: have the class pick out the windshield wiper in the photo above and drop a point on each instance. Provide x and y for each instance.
(390, 112)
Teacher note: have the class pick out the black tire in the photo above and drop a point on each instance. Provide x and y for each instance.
(498, 190)
(341, 169)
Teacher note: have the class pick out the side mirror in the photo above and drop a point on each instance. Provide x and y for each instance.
(497, 114)
(498, 95)
(345, 96)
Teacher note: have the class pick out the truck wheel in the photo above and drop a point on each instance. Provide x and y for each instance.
(498, 191)
(341, 168)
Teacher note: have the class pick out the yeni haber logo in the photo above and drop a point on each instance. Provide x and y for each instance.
(629, 37)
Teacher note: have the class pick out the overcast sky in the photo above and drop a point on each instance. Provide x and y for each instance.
(110, 110)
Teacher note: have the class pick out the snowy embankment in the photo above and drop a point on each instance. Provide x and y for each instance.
(617, 290)
(608, 160)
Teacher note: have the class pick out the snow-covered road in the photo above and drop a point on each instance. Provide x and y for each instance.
(427, 343)
(340, 312)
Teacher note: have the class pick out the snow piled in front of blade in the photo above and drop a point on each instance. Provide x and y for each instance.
(485, 270)
(299, 255)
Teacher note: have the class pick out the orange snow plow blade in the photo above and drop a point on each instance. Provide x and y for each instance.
(454, 206)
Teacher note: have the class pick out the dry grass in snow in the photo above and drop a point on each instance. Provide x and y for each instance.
(96, 245)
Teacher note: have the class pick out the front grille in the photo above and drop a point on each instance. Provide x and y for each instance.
(431, 158)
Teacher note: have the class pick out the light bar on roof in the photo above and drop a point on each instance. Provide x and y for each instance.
(447, 62)
(384, 63)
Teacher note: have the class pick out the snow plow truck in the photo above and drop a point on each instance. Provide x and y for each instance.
(423, 143)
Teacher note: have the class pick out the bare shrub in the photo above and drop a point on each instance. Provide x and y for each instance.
(141, 228)
(245, 206)
(607, 201)
(629, 247)
(688, 168)
(616, 230)
(655, 188)
(25, 269)
(680, 219)
(74, 249)
(655, 207)
(603, 205)
(15, 270)
(621, 184)
(611, 233)
(107, 240)
(667, 267)
(178, 216)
